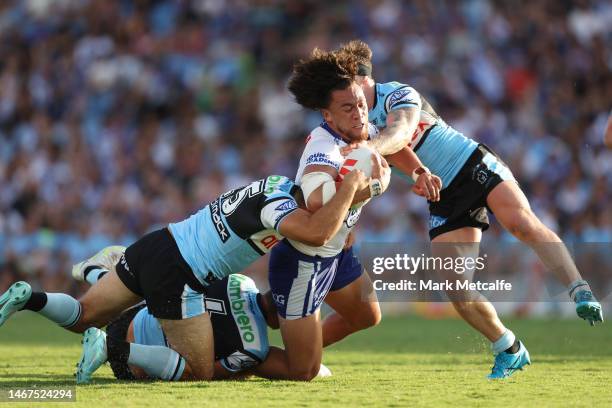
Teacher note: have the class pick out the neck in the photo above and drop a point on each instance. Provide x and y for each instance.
(369, 88)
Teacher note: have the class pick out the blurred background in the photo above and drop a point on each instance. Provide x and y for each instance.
(117, 117)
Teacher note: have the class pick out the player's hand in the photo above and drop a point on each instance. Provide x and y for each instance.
(357, 179)
(381, 170)
(344, 151)
(428, 185)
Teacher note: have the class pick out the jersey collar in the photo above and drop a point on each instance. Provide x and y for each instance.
(332, 132)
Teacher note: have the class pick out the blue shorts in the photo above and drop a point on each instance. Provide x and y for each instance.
(300, 282)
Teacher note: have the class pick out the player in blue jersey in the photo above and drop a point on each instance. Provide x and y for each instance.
(165, 267)
(239, 314)
(474, 179)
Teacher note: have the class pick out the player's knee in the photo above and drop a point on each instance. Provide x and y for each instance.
(369, 319)
(524, 225)
(305, 374)
(198, 373)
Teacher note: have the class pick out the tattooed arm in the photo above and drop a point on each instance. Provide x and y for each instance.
(401, 124)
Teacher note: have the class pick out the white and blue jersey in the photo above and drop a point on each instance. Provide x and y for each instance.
(439, 147)
(239, 325)
(234, 230)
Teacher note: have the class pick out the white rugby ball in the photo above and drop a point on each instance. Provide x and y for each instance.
(360, 158)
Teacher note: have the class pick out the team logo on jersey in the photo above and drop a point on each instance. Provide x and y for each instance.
(287, 206)
(398, 97)
(220, 227)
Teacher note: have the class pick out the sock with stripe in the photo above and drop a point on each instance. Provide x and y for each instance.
(58, 307)
(94, 273)
(158, 362)
(504, 343)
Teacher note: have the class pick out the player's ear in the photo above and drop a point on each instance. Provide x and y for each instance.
(327, 116)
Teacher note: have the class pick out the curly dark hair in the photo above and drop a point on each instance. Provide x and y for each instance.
(314, 79)
(359, 50)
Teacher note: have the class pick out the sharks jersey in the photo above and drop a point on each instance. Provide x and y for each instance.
(323, 148)
(239, 326)
(440, 147)
(235, 229)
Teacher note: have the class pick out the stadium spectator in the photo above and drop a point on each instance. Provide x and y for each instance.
(117, 117)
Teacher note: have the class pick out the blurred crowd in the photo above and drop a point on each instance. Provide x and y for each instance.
(117, 117)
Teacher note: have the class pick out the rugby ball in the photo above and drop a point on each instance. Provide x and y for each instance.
(361, 159)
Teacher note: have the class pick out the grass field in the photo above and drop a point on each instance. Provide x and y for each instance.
(402, 362)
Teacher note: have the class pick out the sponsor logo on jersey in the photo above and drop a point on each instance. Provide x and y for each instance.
(269, 241)
(271, 183)
(239, 309)
(320, 158)
(215, 214)
(436, 221)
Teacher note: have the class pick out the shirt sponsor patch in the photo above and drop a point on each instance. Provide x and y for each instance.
(320, 158)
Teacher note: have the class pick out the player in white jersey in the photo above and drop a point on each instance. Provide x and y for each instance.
(474, 179)
(301, 276)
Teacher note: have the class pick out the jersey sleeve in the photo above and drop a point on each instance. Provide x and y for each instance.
(402, 96)
(322, 151)
(276, 209)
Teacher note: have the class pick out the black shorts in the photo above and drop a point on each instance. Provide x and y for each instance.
(118, 329)
(154, 269)
(464, 202)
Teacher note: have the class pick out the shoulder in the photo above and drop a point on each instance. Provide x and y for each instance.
(398, 95)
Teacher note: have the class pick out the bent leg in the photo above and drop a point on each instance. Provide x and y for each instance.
(301, 358)
(193, 339)
(356, 308)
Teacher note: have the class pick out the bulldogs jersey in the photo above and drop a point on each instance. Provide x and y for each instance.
(239, 326)
(440, 147)
(323, 148)
(234, 230)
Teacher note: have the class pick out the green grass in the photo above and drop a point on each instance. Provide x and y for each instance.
(402, 362)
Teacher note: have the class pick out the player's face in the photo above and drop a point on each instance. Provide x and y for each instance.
(347, 113)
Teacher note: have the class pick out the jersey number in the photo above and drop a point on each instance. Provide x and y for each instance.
(232, 200)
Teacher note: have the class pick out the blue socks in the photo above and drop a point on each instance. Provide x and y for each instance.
(93, 275)
(503, 343)
(57, 307)
(157, 361)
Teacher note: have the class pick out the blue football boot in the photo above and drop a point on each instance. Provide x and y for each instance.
(94, 354)
(587, 307)
(506, 364)
(14, 299)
